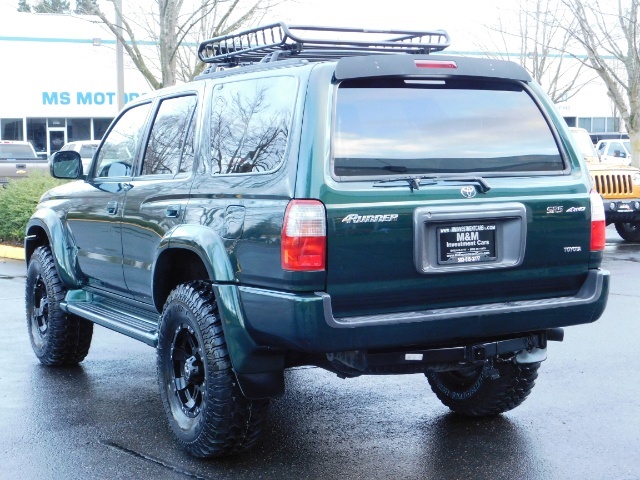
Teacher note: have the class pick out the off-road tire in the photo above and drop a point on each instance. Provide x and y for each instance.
(57, 338)
(629, 231)
(207, 412)
(473, 392)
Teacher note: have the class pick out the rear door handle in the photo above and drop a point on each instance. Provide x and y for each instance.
(112, 208)
(173, 211)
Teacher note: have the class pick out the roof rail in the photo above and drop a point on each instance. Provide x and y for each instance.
(269, 42)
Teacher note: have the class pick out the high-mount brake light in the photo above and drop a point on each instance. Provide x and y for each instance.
(598, 225)
(436, 64)
(304, 236)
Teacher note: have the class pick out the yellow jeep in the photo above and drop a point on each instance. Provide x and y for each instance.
(619, 186)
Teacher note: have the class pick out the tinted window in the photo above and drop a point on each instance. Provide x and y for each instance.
(9, 150)
(168, 136)
(117, 155)
(88, 150)
(250, 124)
(396, 127)
(186, 163)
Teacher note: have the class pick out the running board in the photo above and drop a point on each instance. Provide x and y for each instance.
(121, 317)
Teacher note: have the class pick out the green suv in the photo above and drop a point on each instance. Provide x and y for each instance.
(358, 204)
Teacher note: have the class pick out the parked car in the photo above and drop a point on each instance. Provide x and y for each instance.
(619, 186)
(615, 151)
(597, 136)
(586, 145)
(17, 159)
(86, 149)
(355, 204)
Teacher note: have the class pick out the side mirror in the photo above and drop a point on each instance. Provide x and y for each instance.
(66, 165)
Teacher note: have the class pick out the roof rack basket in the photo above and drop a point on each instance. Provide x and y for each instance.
(268, 43)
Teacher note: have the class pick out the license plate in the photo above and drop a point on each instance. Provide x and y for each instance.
(471, 243)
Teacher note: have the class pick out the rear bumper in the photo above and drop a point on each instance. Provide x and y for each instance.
(306, 322)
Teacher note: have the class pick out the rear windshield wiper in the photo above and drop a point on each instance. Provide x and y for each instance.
(415, 181)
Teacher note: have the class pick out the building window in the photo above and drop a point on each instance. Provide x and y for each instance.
(11, 129)
(598, 124)
(78, 129)
(613, 124)
(37, 133)
(56, 122)
(100, 126)
(585, 123)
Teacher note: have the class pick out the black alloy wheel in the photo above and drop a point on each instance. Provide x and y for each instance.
(206, 410)
(57, 337)
(39, 314)
(187, 372)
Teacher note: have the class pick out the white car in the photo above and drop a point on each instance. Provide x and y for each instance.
(614, 151)
(86, 149)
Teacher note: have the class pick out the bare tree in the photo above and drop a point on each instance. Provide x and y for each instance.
(175, 27)
(611, 39)
(536, 33)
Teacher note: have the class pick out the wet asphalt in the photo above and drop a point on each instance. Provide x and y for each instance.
(104, 419)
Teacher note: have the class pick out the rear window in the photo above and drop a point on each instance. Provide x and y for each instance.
(392, 127)
(9, 150)
(88, 150)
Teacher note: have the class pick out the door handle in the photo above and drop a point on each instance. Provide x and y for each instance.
(112, 208)
(172, 211)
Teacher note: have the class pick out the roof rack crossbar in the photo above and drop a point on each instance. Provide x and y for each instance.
(257, 43)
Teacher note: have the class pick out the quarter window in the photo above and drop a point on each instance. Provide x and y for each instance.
(250, 123)
(170, 137)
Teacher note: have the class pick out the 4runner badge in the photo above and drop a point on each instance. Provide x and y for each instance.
(468, 191)
(355, 218)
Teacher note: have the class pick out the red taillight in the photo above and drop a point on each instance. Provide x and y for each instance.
(304, 236)
(436, 64)
(598, 225)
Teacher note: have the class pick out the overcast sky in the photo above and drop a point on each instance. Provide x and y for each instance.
(463, 19)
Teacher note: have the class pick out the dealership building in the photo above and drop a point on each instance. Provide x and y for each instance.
(58, 82)
(58, 79)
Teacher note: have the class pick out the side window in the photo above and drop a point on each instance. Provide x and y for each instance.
(617, 150)
(117, 155)
(186, 163)
(170, 137)
(250, 123)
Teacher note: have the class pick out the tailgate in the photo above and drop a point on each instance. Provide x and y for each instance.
(450, 192)
(428, 249)
(15, 168)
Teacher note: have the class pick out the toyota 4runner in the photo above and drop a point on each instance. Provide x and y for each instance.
(359, 204)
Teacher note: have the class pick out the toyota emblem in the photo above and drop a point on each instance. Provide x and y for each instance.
(468, 191)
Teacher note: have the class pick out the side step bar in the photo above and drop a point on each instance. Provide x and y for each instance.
(129, 320)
